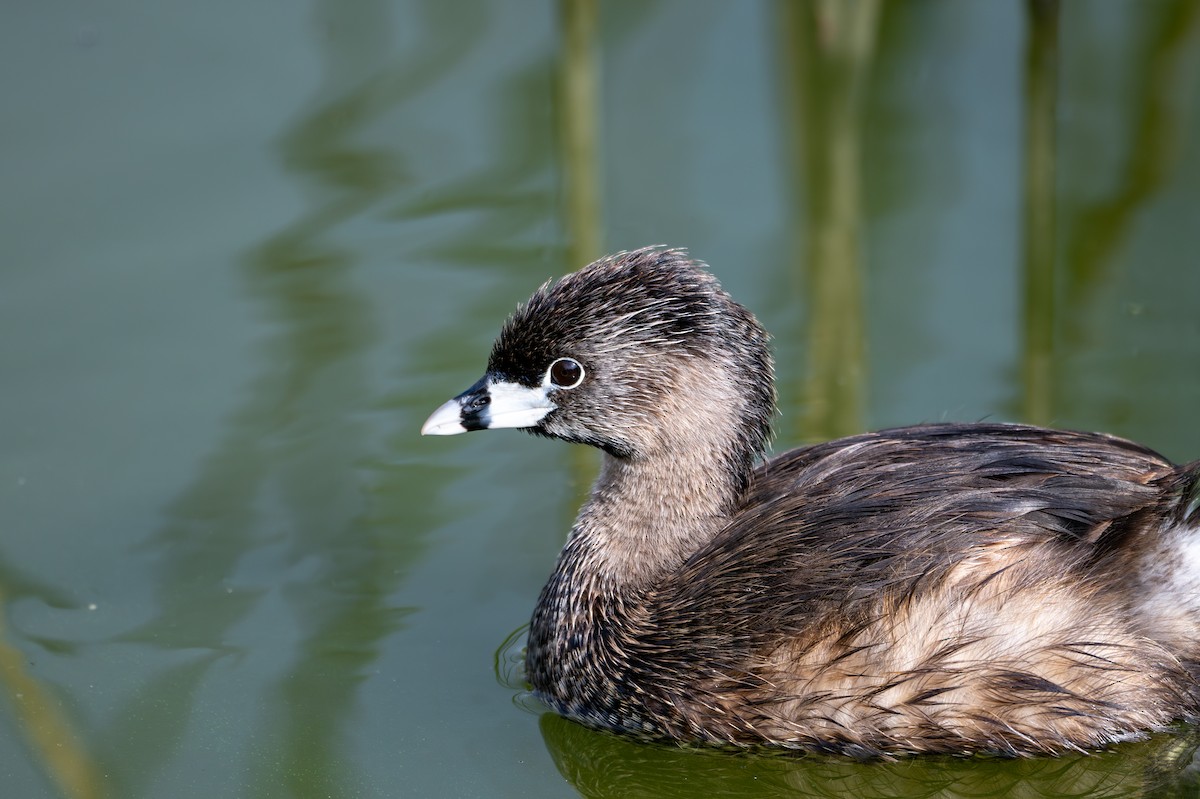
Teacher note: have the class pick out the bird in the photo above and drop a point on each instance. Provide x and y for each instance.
(942, 588)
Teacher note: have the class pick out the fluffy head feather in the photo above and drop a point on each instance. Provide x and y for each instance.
(639, 323)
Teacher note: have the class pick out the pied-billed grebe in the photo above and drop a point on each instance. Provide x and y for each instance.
(939, 588)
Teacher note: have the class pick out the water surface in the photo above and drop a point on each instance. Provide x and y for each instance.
(246, 248)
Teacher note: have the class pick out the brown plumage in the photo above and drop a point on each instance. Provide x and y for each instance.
(939, 588)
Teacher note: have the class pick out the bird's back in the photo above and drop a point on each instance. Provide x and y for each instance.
(932, 588)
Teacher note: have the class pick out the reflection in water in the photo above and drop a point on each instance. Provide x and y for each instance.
(1162, 76)
(1095, 231)
(1065, 303)
(599, 764)
(579, 122)
(293, 452)
(1041, 92)
(38, 712)
(829, 49)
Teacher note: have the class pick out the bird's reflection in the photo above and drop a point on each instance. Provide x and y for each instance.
(600, 764)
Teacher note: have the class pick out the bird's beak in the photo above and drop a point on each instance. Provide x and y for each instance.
(487, 405)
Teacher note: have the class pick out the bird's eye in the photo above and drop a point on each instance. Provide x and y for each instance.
(565, 373)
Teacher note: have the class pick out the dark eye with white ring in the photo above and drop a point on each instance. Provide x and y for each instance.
(565, 373)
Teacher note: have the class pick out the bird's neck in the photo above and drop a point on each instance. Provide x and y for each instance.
(645, 517)
(647, 513)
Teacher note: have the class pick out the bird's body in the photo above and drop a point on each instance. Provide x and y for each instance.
(939, 588)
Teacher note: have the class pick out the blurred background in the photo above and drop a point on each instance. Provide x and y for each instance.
(246, 248)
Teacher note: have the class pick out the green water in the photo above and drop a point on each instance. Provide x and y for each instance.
(245, 249)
